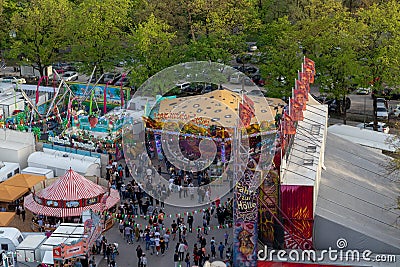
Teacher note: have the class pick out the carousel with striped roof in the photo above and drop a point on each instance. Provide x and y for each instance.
(66, 198)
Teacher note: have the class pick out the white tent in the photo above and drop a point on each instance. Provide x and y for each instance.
(357, 200)
(60, 162)
(365, 137)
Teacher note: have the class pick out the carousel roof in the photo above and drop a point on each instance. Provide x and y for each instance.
(71, 186)
(220, 106)
(35, 207)
(70, 195)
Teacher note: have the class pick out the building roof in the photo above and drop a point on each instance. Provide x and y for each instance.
(364, 137)
(71, 186)
(220, 106)
(58, 161)
(306, 153)
(15, 146)
(10, 193)
(24, 180)
(6, 218)
(357, 194)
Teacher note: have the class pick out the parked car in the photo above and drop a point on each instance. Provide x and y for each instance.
(238, 77)
(251, 71)
(243, 59)
(381, 102)
(70, 76)
(122, 81)
(363, 91)
(334, 105)
(256, 93)
(382, 127)
(183, 86)
(257, 79)
(382, 113)
(395, 111)
(12, 79)
(107, 77)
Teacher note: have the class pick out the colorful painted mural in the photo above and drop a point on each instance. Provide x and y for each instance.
(297, 205)
(112, 94)
(268, 199)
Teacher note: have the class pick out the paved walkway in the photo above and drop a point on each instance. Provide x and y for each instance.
(127, 252)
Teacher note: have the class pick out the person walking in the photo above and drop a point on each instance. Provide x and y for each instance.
(157, 243)
(213, 251)
(147, 239)
(221, 248)
(166, 239)
(23, 213)
(139, 254)
(226, 236)
(187, 259)
(181, 251)
(176, 259)
(18, 211)
(143, 260)
(127, 172)
(152, 244)
(205, 226)
(190, 222)
(162, 245)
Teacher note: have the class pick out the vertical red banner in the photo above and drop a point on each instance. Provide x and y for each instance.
(297, 204)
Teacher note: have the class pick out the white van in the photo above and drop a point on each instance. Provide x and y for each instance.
(236, 78)
(10, 238)
(8, 170)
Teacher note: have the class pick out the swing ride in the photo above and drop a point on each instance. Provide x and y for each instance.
(74, 108)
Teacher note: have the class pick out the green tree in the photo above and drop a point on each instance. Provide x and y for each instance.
(97, 33)
(151, 47)
(281, 56)
(40, 32)
(331, 36)
(382, 43)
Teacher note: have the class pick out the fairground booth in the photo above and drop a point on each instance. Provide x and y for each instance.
(72, 242)
(64, 199)
(211, 117)
(15, 188)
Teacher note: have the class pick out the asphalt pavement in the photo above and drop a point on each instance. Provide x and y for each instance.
(127, 252)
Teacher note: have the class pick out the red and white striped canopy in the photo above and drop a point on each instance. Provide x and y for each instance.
(36, 208)
(71, 186)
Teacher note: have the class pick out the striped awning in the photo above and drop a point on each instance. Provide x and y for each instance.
(71, 186)
(36, 208)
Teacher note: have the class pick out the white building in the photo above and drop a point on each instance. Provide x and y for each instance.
(16, 146)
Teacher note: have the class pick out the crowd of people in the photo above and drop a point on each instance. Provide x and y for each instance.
(142, 199)
(153, 238)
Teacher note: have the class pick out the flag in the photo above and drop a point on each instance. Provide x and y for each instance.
(288, 127)
(309, 69)
(303, 86)
(303, 77)
(311, 64)
(296, 110)
(246, 111)
(300, 97)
